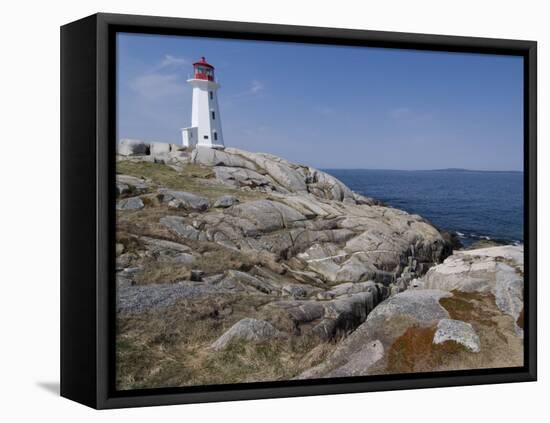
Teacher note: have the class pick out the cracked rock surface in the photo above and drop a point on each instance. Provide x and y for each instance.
(224, 253)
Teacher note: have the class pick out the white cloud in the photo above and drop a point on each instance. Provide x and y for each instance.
(256, 86)
(165, 79)
(154, 86)
(173, 61)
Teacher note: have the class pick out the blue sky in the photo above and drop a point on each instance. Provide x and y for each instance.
(331, 106)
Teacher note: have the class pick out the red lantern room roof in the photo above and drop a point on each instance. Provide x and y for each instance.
(203, 62)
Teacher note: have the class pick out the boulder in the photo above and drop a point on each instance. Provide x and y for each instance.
(457, 331)
(421, 306)
(285, 174)
(127, 184)
(119, 248)
(495, 270)
(182, 199)
(295, 291)
(327, 186)
(132, 203)
(159, 149)
(130, 147)
(360, 361)
(240, 281)
(240, 177)
(180, 227)
(226, 201)
(122, 189)
(250, 330)
(167, 251)
(213, 157)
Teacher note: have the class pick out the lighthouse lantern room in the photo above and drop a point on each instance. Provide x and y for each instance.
(206, 128)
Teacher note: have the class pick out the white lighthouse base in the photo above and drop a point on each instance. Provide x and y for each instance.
(190, 136)
(214, 146)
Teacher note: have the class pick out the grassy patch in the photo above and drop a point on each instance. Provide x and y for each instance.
(211, 257)
(155, 272)
(162, 174)
(170, 348)
(193, 178)
(131, 243)
(473, 307)
(414, 351)
(218, 259)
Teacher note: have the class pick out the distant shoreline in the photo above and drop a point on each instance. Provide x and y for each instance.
(457, 170)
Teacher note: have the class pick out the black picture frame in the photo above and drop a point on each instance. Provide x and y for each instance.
(88, 100)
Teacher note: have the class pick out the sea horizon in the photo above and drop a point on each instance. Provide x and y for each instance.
(475, 205)
(451, 169)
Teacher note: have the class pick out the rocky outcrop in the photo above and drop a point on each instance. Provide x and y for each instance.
(495, 270)
(186, 200)
(126, 184)
(149, 151)
(133, 299)
(129, 147)
(368, 344)
(290, 253)
(226, 201)
(299, 261)
(132, 203)
(239, 168)
(335, 317)
(251, 330)
(457, 331)
(327, 254)
(483, 286)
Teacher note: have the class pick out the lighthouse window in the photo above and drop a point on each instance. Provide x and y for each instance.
(206, 137)
(211, 95)
(213, 115)
(216, 136)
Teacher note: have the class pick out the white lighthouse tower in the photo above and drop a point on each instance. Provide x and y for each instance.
(206, 127)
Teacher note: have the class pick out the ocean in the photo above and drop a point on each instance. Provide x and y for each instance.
(475, 205)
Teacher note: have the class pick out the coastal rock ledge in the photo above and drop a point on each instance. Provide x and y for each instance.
(210, 238)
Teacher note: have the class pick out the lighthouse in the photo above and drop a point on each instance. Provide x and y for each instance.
(206, 127)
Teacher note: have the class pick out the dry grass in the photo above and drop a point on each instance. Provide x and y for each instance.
(162, 174)
(474, 307)
(414, 351)
(154, 273)
(192, 178)
(212, 258)
(146, 222)
(131, 243)
(170, 348)
(218, 259)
